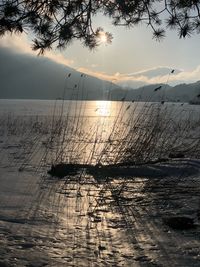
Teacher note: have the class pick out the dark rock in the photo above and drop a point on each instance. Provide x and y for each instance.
(180, 222)
(4, 264)
(37, 264)
(61, 170)
(176, 155)
(100, 247)
(27, 245)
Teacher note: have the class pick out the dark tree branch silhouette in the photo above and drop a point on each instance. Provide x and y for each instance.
(59, 22)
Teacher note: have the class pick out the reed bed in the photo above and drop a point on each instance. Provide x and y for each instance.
(139, 133)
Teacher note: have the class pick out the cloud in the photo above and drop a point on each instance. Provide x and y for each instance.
(155, 72)
(155, 75)
(100, 75)
(188, 76)
(21, 45)
(94, 65)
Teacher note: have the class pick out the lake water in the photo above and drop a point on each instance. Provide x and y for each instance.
(88, 108)
(105, 131)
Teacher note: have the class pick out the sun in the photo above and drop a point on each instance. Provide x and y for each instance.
(102, 37)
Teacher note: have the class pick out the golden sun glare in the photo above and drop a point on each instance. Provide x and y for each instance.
(102, 37)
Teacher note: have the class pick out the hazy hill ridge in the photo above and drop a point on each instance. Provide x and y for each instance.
(23, 76)
(163, 92)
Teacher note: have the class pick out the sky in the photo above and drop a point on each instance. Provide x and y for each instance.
(133, 59)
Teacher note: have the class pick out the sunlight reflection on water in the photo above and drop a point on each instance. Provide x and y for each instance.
(102, 131)
(103, 108)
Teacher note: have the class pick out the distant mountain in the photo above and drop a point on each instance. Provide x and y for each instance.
(184, 92)
(23, 76)
(160, 92)
(133, 84)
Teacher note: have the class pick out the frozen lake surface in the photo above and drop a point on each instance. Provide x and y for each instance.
(146, 168)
